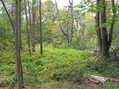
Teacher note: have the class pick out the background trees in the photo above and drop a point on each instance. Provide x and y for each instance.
(104, 35)
(60, 24)
(90, 25)
(68, 27)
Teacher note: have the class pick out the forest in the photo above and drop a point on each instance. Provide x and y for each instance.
(59, 44)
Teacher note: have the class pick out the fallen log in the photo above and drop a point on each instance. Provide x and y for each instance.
(99, 79)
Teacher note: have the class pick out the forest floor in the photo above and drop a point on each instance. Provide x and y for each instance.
(59, 69)
(87, 85)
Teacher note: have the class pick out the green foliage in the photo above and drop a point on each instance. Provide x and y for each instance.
(56, 65)
(60, 64)
(110, 85)
(107, 67)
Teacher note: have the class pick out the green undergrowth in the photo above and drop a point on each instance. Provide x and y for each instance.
(57, 68)
(107, 68)
(55, 65)
(110, 85)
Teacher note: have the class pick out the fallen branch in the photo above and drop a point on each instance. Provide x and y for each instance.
(99, 79)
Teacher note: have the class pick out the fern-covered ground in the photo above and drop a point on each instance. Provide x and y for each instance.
(58, 68)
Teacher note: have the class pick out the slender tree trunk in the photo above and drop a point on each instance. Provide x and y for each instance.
(28, 30)
(112, 24)
(98, 28)
(68, 35)
(72, 21)
(105, 50)
(18, 50)
(20, 25)
(30, 26)
(71, 29)
(41, 34)
(33, 24)
(20, 22)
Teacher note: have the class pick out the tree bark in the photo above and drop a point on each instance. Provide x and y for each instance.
(18, 49)
(98, 29)
(112, 24)
(28, 29)
(33, 24)
(70, 33)
(104, 37)
(41, 33)
(104, 34)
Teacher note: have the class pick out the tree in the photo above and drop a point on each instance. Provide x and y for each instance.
(28, 29)
(18, 47)
(41, 40)
(33, 23)
(104, 36)
(70, 33)
(67, 24)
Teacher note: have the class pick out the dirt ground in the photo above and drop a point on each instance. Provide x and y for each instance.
(87, 84)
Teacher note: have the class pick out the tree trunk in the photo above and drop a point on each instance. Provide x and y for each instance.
(101, 28)
(71, 29)
(112, 24)
(18, 43)
(104, 34)
(28, 30)
(33, 24)
(30, 25)
(98, 29)
(41, 34)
